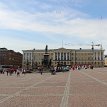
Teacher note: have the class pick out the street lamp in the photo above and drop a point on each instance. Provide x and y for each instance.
(27, 63)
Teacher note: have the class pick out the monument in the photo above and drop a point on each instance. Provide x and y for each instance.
(46, 57)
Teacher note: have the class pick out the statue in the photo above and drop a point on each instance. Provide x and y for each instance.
(45, 61)
(46, 49)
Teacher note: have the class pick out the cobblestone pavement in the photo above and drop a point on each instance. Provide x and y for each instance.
(78, 88)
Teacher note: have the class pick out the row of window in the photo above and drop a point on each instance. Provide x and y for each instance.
(62, 56)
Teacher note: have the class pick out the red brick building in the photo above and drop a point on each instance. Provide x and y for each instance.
(10, 57)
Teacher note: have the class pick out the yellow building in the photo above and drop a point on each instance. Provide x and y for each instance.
(63, 56)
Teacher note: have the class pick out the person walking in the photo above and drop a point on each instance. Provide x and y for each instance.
(55, 69)
(18, 72)
(41, 70)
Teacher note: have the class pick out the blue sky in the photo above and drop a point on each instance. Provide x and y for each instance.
(29, 24)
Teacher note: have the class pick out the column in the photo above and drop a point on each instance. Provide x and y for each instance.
(66, 56)
(60, 55)
(63, 56)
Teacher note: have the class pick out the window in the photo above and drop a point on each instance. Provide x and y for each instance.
(64, 56)
(61, 56)
(55, 56)
(58, 56)
(67, 56)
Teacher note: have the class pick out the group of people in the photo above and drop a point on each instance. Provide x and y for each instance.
(40, 69)
(78, 67)
(52, 69)
(10, 71)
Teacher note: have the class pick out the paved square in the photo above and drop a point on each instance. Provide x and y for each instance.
(78, 88)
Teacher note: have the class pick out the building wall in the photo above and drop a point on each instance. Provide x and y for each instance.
(65, 57)
(9, 57)
(105, 61)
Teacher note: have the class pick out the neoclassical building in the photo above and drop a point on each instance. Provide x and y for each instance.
(63, 56)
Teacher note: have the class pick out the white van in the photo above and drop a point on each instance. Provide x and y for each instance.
(2, 67)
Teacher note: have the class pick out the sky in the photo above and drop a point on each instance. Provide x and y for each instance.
(72, 24)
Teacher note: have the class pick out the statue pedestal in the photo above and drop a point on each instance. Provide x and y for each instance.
(46, 60)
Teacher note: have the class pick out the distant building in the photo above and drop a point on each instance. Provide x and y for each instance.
(33, 58)
(10, 57)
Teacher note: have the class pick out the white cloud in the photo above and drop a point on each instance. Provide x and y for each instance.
(27, 21)
(68, 23)
(19, 44)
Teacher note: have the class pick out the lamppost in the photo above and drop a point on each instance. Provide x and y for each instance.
(32, 64)
(27, 63)
(92, 56)
(32, 59)
(102, 62)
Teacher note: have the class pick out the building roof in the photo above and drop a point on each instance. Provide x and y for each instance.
(49, 50)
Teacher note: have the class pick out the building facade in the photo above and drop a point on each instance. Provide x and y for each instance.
(10, 57)
(105, 60)
(62, 56)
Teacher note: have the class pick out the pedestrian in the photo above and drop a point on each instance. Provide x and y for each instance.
(52, 70)
(18, 72)
(7, 71)
(41, 70)
(23, 71)
(55, 69)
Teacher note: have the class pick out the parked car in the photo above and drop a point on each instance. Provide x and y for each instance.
(66, 68)
(28, 71)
